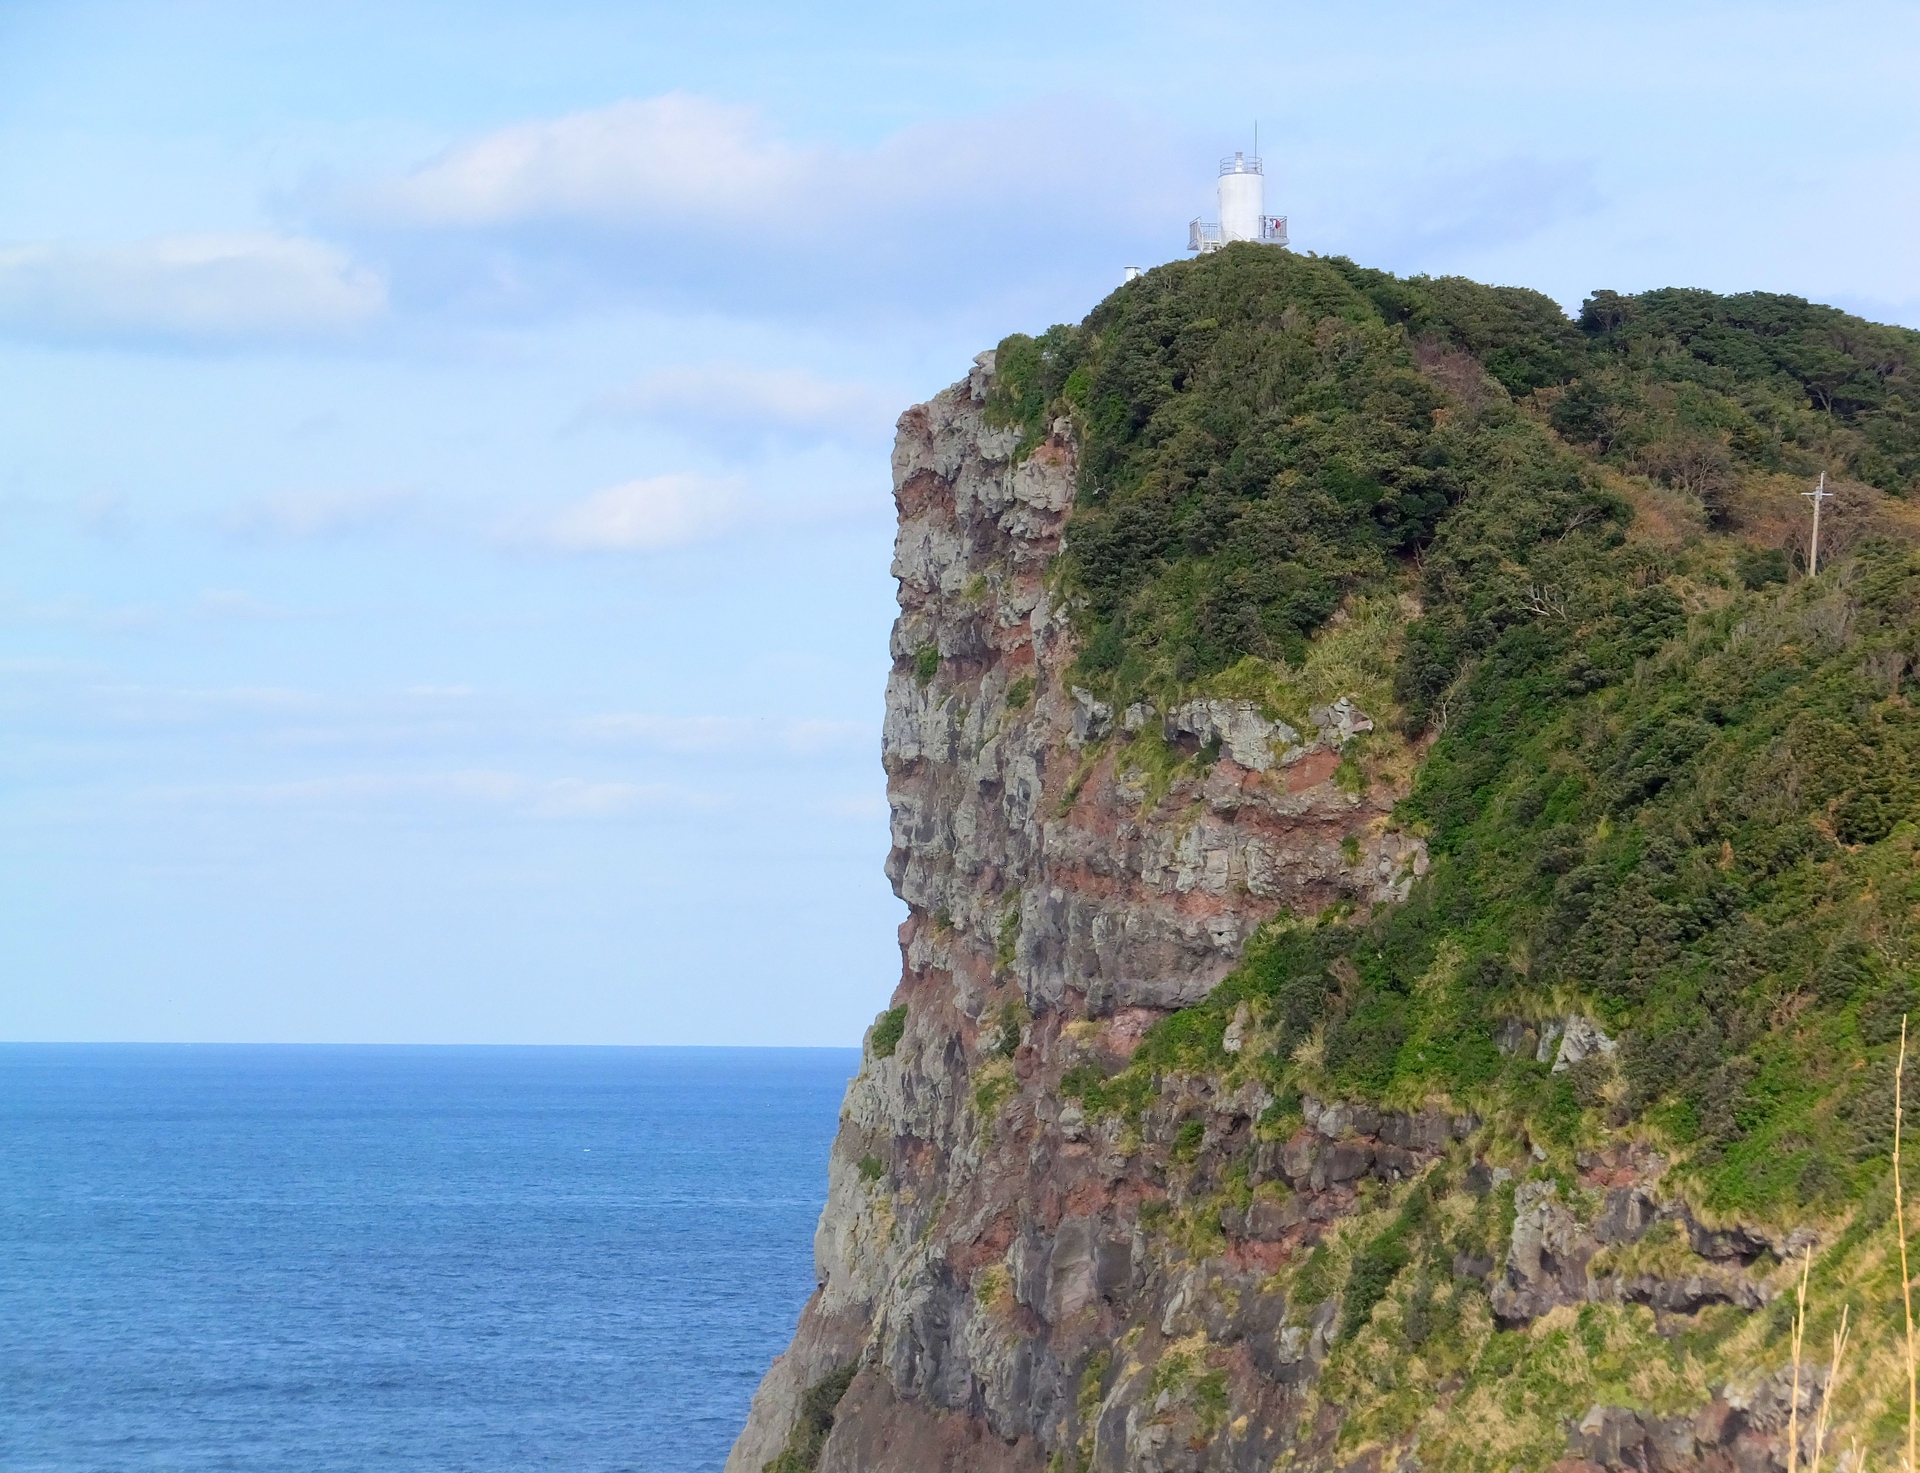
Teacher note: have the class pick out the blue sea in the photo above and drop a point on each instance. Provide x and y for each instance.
(309, 1259)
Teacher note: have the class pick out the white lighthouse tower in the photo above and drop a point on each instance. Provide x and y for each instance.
(1243, 209)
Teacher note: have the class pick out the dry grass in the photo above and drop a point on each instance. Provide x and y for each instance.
(1662, 517)
(1767, 511)
(1799, 1335)
(1900, 1226)
(1834, 1369)
(1885, 1366)
(1353, 654)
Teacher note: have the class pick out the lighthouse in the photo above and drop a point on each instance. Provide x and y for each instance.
(1243, 209)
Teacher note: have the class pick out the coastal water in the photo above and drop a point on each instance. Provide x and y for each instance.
(368, 1259)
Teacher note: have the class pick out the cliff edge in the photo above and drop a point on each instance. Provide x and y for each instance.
(981, 1238)
(1438, 1031)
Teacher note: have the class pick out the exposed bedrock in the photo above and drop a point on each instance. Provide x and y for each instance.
(992, 1292)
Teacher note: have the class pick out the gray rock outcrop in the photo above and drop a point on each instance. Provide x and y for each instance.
(991, 1290)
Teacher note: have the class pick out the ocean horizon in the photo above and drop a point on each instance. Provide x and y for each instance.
(337, 1256)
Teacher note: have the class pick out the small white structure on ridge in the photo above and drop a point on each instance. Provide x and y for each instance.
(1243, 209)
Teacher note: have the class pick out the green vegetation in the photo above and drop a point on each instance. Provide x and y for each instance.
(871, 1169)
(926, 663)
(1666, 780)
(1756, 567)
(888, 1032)
(1262, 434)
(1668, 789)
(809, 1435)
(1693, 388)
(993, 1287)
(1020, 693)
(1210, 1402)
(1698, 829)
(993, 1085)
(1186, 1141)
(1093, 1383)
(1009, 1026)
(1417, 1353)
(1007, 941)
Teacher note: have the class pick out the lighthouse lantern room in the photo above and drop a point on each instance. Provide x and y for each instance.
(1243, 209)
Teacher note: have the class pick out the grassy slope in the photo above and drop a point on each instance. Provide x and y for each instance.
(1666, 787)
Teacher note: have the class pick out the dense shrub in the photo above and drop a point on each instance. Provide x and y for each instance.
(1263, 433)
(810, 1429)
(888, 1031)
(1657, 782)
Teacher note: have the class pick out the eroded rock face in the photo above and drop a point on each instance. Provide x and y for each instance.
(998, 1282)
(1743, 1427)
(1002, 1245)
(1246, 736)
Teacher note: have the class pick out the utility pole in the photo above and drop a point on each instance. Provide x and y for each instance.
(1819, 494)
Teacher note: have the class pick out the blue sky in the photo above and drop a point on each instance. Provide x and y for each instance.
(444, 512)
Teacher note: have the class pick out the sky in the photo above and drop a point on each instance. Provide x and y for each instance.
(444, 496)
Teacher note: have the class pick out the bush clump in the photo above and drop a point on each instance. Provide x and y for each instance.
(1263, 434)
(809, 1435)
(888, 1031)
(1687, 805)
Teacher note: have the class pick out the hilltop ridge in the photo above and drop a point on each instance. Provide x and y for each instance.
(1411, 890)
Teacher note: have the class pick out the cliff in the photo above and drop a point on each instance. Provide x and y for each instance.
(981, 1238)
(1207, 1128)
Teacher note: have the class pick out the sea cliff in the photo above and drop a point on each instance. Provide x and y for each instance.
(1091, 1209)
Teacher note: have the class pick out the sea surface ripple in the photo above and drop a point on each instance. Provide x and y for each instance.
(477, 1259)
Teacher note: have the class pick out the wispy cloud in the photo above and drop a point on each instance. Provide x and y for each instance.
(81, 613)
(302, 515)
(198, 290)
(238, 605)
(860, 807)
(759, 403)
(1476, 206)
(680, 198)
(675, 157)
(529, 797)
(646, 515)
(707, 734)
(140, 705)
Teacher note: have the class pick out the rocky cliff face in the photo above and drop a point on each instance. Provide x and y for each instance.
(1003, 1279)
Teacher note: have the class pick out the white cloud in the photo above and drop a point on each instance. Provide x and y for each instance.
(759, 402)
(81, 613)
(707, 734)
(528, 797)
(297, 516)
(104, 515)
(677, 156)
(681, 198)
(197, 289)
(237, 604)
(646, 514)
(858, 806)
(718, 173)
(1441, 212)
(147, 704)
(572, 798)
(640, 516)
